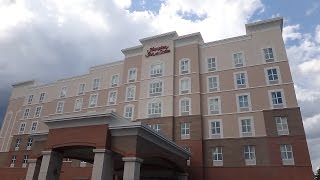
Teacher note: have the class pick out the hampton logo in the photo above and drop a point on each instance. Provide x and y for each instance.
(154, 51)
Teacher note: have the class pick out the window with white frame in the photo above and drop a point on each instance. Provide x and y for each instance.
(22, 128)
(211, 64)
(41, 98)
(155, 88)
(60, 105)
(26, 113)
(185, 106)
(29, 143)
(216, 129)
(238, 59)
(93, 100)
(217, 156)
(273, 75)
(250, 155)
(13, 160)
(63, 92)
(243, 101)
(156, 127)
(38, 111)
(246, 126)
(25, 160)
(96, 84)
(277, 99)
(268, 54)
(30, 99)
(81, 89)
(213, 83)
(112, 97)
(114, 80)
(282, 125)
(240, 80)
(34, 126)
(154, 108)
(185, 85)
(128, 111)
(131, 92)
(156, 70)
(132, 75)
(214, 105)
(78, 105)
(286, 154)
(17, 145)
(185, 130)
(184, 66)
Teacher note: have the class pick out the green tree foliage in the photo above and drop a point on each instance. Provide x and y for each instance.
(317, 176)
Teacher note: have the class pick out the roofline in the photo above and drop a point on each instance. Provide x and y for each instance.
(172, 33)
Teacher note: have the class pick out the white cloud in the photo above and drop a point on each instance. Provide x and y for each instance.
(291, 32)
(123, 3)
(317, 32)
(311, 10)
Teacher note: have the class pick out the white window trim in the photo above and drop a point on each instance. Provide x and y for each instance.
(284, 104)
(32, 125)
(98, 85)
(267, 77)
(134, 94)
(207, 67)
(90, 100)
(25, 126)
(185, 136)
(212, 136)
(190, 105)
(156, 63)
(84, 89)
(136, 76)
(124, 111)
(31, 99)
(243, 57)
(75, 104)
(287, 161)
(58, 106)
(60, 94)
(115, 101)
(43, 97)
(151, 101)
(218, 83)
(208, 103)
(282, 132)
(249, 102)
(235, 79)
(117, 85)
(189, 88)
(251, 124)
(274, 54)
(35, 111)
(156, 81)
(26, 117)
(189, 68)
(217, 162)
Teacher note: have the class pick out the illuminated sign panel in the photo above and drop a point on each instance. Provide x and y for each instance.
(154, 51)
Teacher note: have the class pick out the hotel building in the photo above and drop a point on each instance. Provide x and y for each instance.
(176, 107)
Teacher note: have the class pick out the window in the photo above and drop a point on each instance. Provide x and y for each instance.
(112, 97)
(30, 99)
(156, 70)
(217, 156)
(60, 105)
(214, 105)
(282, 125)
(154, 108)
(238, 59)
(156, 127)
(185, 130)
(25, 160)
(29, 144)
(34, 126)
(184, 66)
(93, 100)
(244, 103)
(22, 127)
(286, 154)
(155, 88)
(272, 75)
(17, 145)
(240, 79)
(185, 85)
(128, 111)
(41, 97)
(26, 113)
(96, 84)
(81, 89)
(277, 99)
(114, 80)
(131, 92)
(268, 54)
(132, 75)
(13, 160)
(38, 111)
(185, 107)
(212, 64)
(78, 105)
(213, 83)
(250, 155)
(216, 129)
(63, 92)
(246, 126)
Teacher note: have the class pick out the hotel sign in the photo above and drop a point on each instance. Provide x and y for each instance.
(154, 51)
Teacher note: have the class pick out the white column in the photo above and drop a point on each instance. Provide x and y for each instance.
(131, 168)
(183, 176)
(102, 165)
(50, 165)
(33, 168)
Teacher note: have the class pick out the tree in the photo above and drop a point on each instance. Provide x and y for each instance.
(317, 176)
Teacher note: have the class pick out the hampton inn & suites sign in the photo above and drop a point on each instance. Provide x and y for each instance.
(154, 51)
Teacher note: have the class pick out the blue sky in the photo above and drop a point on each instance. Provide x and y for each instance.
(48, 40)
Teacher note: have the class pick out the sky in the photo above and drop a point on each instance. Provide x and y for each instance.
(48, 40)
